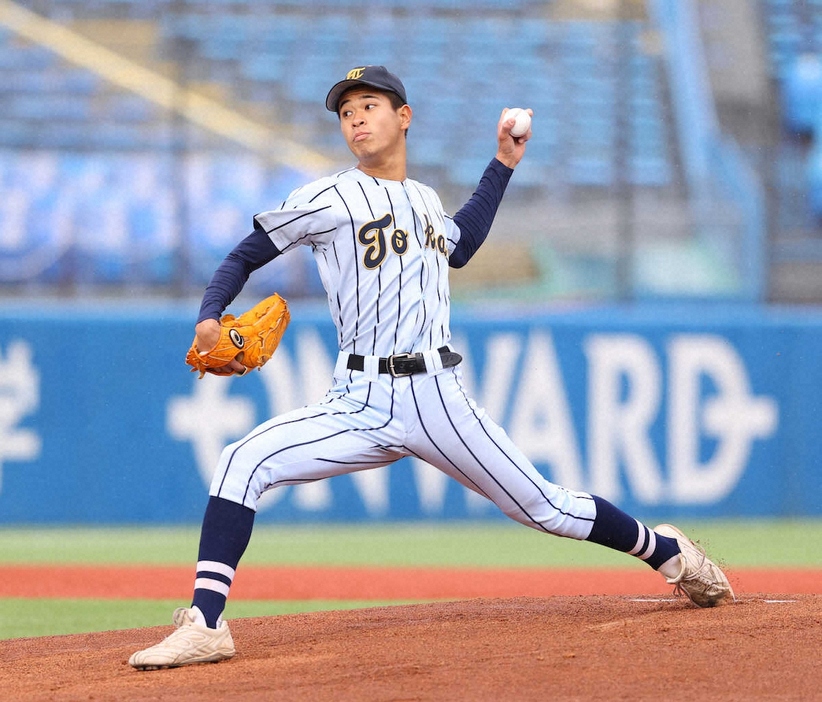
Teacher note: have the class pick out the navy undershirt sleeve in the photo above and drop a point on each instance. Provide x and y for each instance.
(228, 280)
(476, 216)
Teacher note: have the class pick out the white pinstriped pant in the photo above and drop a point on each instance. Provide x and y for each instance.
(369, 421)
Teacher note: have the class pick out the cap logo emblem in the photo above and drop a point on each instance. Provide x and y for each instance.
(355, 73)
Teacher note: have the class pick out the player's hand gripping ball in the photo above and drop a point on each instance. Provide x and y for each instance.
(251, 338)
(522, 123)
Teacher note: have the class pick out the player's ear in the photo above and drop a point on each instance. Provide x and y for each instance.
(405, 113)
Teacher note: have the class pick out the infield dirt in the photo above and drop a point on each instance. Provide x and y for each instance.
(486, 648)
(557, 648)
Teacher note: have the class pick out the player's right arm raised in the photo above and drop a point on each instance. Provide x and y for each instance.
(475, 218)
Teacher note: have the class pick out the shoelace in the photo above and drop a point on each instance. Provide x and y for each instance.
(696, 576)
(181, 617)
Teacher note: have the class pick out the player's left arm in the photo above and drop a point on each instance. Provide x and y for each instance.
(475, 218)
(228, 280)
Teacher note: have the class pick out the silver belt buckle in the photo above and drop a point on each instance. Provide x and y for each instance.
(402, 357)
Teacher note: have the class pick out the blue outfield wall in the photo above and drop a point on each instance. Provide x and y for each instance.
(694, 411)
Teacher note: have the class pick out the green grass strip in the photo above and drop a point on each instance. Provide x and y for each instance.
(739, 543)
(20, 618)
(761, 543)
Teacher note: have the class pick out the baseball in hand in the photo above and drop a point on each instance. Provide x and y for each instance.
(523, 121)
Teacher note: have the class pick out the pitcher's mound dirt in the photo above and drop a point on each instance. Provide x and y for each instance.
(764, 647)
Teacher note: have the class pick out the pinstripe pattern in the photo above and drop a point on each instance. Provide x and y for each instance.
(495, 457)
(427, 416)
(382, 252)
(401, 305)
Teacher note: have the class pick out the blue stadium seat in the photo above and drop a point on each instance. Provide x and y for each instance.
(814, 176)
(502, 52)
(802, 93)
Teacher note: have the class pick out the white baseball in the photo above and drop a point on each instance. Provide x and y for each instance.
(523, 121)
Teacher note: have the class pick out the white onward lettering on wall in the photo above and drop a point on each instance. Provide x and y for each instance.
(734, 417)
(19, 397)
(627, 396)
(624, 395)
(632, 398)
(209, 418)
(620, 426)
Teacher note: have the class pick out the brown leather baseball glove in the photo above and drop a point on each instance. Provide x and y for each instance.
(251, 338)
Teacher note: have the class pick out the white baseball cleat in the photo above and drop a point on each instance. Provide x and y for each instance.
(192, 642)
(700, 579)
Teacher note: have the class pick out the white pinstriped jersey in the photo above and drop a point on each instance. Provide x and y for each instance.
(382, 249)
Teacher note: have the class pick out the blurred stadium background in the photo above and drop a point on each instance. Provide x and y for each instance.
(674, 157)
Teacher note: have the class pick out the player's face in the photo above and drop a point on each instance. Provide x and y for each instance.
(372, 128)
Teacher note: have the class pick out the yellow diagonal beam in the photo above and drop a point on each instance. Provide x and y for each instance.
(156, 88)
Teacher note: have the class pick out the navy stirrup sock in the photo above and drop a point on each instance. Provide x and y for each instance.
(620, 531)
(224, 537)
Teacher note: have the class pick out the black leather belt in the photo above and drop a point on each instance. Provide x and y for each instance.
(401, 364)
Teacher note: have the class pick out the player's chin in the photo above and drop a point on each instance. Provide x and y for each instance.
(363, 148)
(360, 153)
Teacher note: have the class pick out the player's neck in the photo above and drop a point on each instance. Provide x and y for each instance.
(384, 168)
(383, 174)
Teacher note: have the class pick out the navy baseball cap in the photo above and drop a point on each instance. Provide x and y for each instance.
(373, 76)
